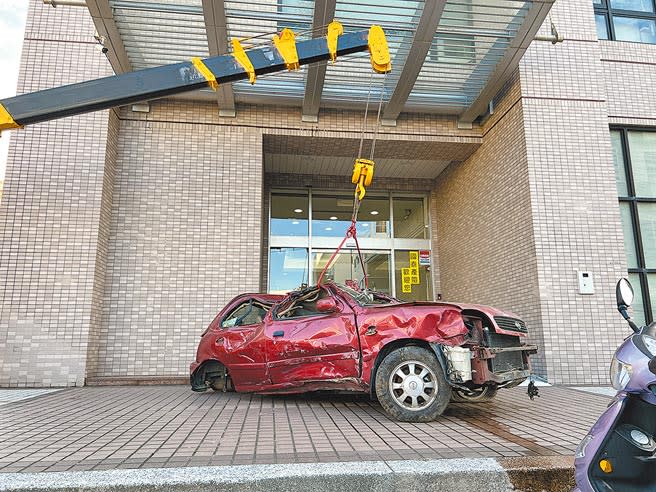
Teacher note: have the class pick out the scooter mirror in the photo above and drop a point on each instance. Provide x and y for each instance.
(624, 293)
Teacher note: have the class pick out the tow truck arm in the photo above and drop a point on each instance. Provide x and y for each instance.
(157, 82)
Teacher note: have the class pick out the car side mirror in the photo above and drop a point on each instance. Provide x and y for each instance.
(327, 305)
(624, 293)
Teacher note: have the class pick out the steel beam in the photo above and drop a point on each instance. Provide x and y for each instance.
(324, 11)
(217, 42)
(421, 43)
(103, 18)
(153, 83)
(510, 61)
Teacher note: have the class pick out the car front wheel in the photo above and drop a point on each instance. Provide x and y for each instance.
(411, 385)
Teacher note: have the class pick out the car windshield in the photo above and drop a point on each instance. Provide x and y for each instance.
(365, 298)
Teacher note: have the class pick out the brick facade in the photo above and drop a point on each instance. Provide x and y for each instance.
(122, 233)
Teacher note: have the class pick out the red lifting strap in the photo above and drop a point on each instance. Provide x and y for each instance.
(350, 232)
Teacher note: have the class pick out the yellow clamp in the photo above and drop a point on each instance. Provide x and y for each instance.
(335, 29)
(205, 72)
(6, 121)
(242, 58)
(363, 174)
(380, 56)
(286, 45)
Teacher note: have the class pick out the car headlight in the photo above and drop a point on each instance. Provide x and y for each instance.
(620, 374)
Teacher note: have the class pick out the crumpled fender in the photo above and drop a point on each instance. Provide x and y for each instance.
(429, 323)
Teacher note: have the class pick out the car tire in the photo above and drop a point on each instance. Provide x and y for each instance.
(478, 395)
(416, 373)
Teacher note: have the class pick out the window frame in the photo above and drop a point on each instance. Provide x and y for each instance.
(368, 245)
(641, 270)
(608, 12)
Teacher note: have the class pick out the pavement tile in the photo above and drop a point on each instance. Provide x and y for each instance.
(162, 426)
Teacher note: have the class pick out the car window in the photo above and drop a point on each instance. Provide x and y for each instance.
(304, 304)
(248, 313)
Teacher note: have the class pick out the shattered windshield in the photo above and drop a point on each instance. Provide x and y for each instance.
(365, 297)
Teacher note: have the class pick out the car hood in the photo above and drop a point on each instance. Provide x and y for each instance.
(489, 311)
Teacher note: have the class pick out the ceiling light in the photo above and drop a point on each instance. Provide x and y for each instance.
(365, 224)
(333, 218)
(295, 222)
(374, 212)
(329, 229)
(298, 210)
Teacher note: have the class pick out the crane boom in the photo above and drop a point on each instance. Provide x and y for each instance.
(152, 83)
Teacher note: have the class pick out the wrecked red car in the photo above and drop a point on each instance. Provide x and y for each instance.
(413, 357)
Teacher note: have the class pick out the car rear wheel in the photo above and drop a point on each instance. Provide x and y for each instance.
(478, 395)
(411, 386)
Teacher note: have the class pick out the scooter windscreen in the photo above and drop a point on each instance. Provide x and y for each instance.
(626, 460)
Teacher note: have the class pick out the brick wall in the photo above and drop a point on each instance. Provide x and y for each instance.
(50, 211)
(484, 223)
(576, 216)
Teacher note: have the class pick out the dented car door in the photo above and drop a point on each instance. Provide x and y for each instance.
(307, 344)
(241, 345)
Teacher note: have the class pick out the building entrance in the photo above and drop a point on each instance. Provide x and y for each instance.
(305, 227)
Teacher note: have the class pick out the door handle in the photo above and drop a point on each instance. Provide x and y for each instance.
(278, 333)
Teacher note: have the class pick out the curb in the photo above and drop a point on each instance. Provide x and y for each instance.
(453, 475)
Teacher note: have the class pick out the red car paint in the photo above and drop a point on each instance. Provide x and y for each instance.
(331, 350)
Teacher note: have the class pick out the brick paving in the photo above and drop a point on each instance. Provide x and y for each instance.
(99, 428)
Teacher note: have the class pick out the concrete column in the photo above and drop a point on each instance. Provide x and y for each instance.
(576, 220)
(50, 216)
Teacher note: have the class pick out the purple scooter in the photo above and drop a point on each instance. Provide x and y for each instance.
(619, 452)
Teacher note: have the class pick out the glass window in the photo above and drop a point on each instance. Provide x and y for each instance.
(249, 313)
(287, 269)
(633, 29)
(637, 5)
(289, 214)
(647, 216)
(419, 287)
(346, 269)
(618, 162)
(638, 304)
(629, 237)
(409, 218)
(331, 216)
(602, 26)
(640, 245)
(642, 147)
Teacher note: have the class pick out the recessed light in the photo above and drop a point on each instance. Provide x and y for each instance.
(298, 210)
(329, 229)
(374, 212)
(365, 224)
(333, 218)
(295, 222)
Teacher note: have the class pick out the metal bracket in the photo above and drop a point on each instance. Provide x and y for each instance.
(286, 45)
(380, 56)
(6, 121)
(242, 58)
(335, 29)
(205, 72)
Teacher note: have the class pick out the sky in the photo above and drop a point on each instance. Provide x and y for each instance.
(12, 27)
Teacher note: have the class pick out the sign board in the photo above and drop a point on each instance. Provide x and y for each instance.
(424, 257)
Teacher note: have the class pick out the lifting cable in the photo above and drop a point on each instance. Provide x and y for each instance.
(363, 173)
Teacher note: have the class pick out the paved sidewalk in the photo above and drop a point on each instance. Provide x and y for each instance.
(100, 428)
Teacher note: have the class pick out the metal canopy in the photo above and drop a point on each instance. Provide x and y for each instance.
(448, 56)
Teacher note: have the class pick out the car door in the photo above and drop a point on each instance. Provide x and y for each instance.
(309, 345)
(241, 345)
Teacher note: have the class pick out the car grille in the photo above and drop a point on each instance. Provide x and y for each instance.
(512, 324)
(498, 340)
(506, 361)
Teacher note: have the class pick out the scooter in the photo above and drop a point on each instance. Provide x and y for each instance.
(619, 452)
